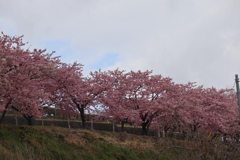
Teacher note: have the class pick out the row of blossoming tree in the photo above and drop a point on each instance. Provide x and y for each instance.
(31, 81)
(152, 100)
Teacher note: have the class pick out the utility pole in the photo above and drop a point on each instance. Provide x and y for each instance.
(238, 93)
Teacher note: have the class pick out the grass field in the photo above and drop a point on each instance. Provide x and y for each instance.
(55, 143)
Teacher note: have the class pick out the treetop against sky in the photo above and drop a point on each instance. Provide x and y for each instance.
(196, 41)
(33, 80)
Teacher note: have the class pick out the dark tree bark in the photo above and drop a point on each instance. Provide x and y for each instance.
(81, 110)
(27, 117)
(82, 114)
(122, 126)
(5, 110)
(146, 123)
(145, 126)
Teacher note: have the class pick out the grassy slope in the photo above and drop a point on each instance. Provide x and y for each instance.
(46, 143)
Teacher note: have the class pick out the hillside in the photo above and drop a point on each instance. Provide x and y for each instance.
(50, 143)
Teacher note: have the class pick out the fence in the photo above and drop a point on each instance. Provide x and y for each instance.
(19, 120)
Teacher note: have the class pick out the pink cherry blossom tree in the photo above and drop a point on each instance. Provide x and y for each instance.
(136, 97)
(73, 92)
(112, 100)
(148, 96)
(23, 75)
(196, 108)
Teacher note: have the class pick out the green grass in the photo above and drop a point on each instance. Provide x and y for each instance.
(51, 143)
(26, 142)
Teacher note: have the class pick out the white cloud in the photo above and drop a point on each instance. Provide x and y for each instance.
(186, 40)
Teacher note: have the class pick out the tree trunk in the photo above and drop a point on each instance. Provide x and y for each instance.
(81, 110)
(3, 115)
(122, 126)
(29, 119)
(145, 124)
(184, 133)
(166, 129)
(144, 128)
(5, 110)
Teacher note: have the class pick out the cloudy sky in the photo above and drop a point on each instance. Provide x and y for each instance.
(187, 40)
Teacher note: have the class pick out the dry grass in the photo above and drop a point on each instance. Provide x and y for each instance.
(82, 138)
(167, 148)
(63, 143)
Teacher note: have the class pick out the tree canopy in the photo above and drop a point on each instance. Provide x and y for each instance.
(33, 80)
